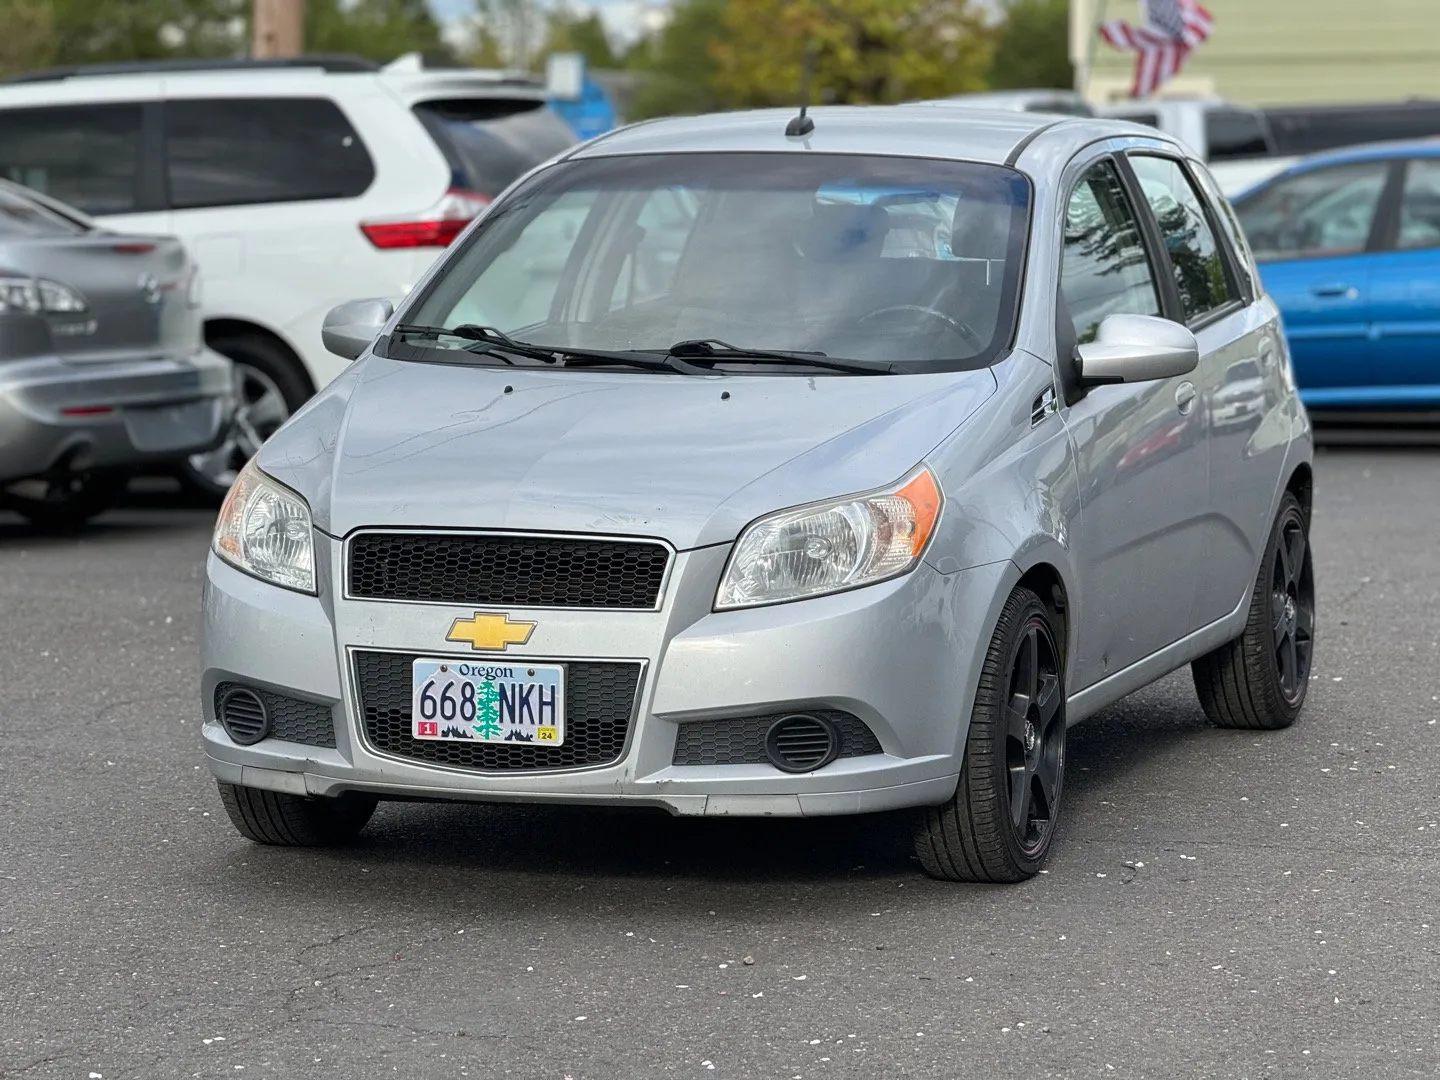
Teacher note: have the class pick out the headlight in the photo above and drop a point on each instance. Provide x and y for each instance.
(264, 530)
(831, 546)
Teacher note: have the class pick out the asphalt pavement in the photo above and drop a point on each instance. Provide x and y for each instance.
(1218, 904)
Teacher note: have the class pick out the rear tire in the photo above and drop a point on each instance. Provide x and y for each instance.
(272, 387)
(284, 820)
(1259, 680)
(998, 825)
(63, 503)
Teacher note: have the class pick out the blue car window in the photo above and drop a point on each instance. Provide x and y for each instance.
(1194, 253)
(1320, 212)
(1420, 205)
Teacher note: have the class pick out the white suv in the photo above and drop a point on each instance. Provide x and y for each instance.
(296, 185)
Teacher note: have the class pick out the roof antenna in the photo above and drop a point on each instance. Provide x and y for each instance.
(802, 125)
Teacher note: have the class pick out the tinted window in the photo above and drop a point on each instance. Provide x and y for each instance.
(1300, 130)
(23, 217)
(1231, 221)
(1321, 212)
(896, 261)
(1194, 253)
(1233, 133)
(87, 156)
(1105, 269)
(491, 142)
(1420, 205)
(240, 151)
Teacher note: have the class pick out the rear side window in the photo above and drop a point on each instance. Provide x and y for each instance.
(241, 151)
(1235, 133)
(1194, 251)
(87, 156)
(1105, 270)
(491, 142)
(1244, 258)
(22, 218)
(1420, 205)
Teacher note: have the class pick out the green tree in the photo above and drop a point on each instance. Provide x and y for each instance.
(377, 29)
(568, 31)
(675, 68)
(28, 41)
(1032, 46)
(85, 31)
(866, 51)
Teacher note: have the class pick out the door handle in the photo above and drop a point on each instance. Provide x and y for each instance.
(1348, 292)
(1185, 397)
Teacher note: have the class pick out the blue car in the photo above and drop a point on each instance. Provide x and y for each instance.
(1349, 246)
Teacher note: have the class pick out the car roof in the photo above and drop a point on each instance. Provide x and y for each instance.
(923, 129)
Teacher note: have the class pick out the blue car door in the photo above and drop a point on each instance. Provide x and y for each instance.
(1312, 233)
(1405, 296)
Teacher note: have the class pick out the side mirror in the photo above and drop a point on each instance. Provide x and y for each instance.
(350, 329)
(1137, 348)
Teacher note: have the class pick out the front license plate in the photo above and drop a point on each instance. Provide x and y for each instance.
(470, 701)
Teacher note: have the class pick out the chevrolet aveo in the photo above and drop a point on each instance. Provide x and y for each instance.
(773, 465)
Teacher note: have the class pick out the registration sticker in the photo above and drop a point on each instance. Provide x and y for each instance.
(483, 701)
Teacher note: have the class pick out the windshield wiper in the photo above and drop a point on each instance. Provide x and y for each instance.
(486, 340)
(719, 352)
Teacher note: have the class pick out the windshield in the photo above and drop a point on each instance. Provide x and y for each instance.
(897, 261)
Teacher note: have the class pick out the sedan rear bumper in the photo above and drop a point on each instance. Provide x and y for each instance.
(57, 414)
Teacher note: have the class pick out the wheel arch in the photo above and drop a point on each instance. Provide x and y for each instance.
(217, 329)
(1301, 484)
(1046, 581)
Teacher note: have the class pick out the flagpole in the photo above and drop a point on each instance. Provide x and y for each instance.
(1090, 48)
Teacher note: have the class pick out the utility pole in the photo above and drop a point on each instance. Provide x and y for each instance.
(279, 28)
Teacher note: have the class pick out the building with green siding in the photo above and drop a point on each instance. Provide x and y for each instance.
(1278, 52)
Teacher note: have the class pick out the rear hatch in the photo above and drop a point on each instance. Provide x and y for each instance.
(490, 141)
(101, 295)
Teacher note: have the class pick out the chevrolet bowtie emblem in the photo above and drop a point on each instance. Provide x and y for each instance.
(489, 630)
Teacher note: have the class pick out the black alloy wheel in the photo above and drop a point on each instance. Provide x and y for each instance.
(1259, 680)
(999, 824)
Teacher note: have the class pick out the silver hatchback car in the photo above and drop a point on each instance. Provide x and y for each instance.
(771, 465)
(103, 370)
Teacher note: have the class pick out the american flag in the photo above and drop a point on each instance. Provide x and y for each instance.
(1170, 30)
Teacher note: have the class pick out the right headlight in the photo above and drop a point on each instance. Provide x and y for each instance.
(832, 546)
(265, 530)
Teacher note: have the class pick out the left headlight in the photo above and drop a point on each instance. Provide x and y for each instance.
(265, 530)
(832, 546)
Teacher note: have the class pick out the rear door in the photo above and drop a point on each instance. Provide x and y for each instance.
(1405, 287)
(1312, 233)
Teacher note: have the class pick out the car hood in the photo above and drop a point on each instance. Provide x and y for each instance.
(690, 459)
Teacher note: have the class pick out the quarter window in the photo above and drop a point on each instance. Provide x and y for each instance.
(1318, 213)
(242, 151)
(86, 156)
(1420, 205)
(1195, 254)
(1105, 269)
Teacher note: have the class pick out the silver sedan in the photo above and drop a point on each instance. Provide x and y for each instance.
(775, 465)
(102, 367)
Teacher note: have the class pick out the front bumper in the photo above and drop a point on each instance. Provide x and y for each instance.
(57, 414)
(900, 656)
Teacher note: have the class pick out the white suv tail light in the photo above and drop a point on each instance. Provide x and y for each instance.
(435, 227)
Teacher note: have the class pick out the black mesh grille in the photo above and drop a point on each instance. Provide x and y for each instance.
(599, 707)
(521, 571)
(290, 718)
(742, 741)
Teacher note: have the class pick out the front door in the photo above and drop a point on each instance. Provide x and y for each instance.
(1140, 448)
(1405, 296)
(1311, 231)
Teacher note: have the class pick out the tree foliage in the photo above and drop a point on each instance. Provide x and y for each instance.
(865, 51)
(376, 29)
(567, 31)
(91, 31)
(676, 67)
(1032, 46)
(29, 38)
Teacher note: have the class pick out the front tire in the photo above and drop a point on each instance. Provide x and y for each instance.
(280, 819)
(998, 825)
(1259, 680)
